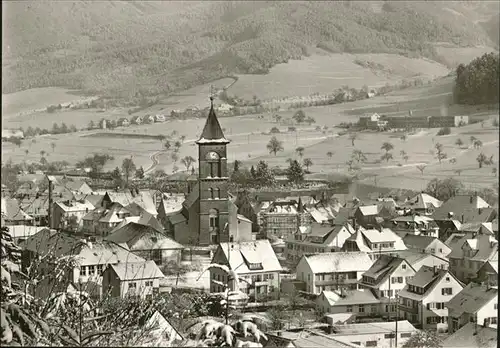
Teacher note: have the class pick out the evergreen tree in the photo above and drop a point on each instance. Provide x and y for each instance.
(295, 172)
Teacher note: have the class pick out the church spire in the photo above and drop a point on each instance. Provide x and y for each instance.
(300, 206)
(212, 132)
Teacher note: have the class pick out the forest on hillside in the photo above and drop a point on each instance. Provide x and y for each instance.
(124, 49)
(478, 81)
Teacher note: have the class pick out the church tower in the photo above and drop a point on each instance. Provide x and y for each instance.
(213, 182)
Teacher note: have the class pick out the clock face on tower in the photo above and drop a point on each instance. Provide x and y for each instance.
(212, 156)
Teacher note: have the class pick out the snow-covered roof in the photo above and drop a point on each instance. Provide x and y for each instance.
(339, 262)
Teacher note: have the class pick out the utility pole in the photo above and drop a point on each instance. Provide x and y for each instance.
(397, 319)
(49, 211)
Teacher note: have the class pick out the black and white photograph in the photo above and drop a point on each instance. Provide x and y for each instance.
(275, 174)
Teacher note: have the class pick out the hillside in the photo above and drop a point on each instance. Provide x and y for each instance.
(119, 49)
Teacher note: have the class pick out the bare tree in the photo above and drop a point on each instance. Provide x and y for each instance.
(329, 154)
(481, 159)
(188, 161)
(53, 146)
(353, 137)
(440, 155)
(386, 156)
(387, 147)
(300, 151)
(421, 168)
(308, 162)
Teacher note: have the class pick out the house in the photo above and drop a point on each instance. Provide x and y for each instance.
(459, 121)
(148, 119)
(316, 238)
(305, 339)
(376, 334)
(414, 224)
(159, 118)
(340, 318)
(486, 273)
(77, 187)
(102, 220)
(254, 262)
(248, 209)
(37, 208)
(358, 302)
(376, 242)
(20, 233)
(476, 303)
(472, 335)
(469, 255)
(332, 271)
(92, 257)
(13, 214)
(147, 242)
(169, 206)
(373, 215)
(134, 279)
(132, 198)
(162, 329)
(386, 277)
(123, 122)
(68, 215)
(461, 209)
(283, 217)
(137, 120)
(12, 133)
(422, 301)
(424, 244)
(417, 259)
(423, 204)
(224, 107)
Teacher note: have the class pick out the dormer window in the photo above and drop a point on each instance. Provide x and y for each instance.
(255, 266)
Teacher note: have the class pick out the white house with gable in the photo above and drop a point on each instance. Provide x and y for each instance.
(332, 271)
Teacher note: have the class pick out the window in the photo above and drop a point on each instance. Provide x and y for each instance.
(156, 256)
(83, 270)
(217, 193)
(92, 270)
(371, 343)
(447, 291)
(349, 309)
(403, 266)
(132, 285)
(433, 250)
(391, 335)
(447, 279)
(211, 192)
(99, 269)
(213, 215)
(496, 305)
(361, 308)
(373, 308)
(493, 320)
(405, 335)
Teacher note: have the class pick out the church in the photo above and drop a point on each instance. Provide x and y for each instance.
(208, 215)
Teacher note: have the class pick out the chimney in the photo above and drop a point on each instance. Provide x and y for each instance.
(279, 333)
(471, 199)
(450, 215)
(434, 270)
(354, 223)
(462, 218)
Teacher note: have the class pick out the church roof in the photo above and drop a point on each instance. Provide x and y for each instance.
(212, 132)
